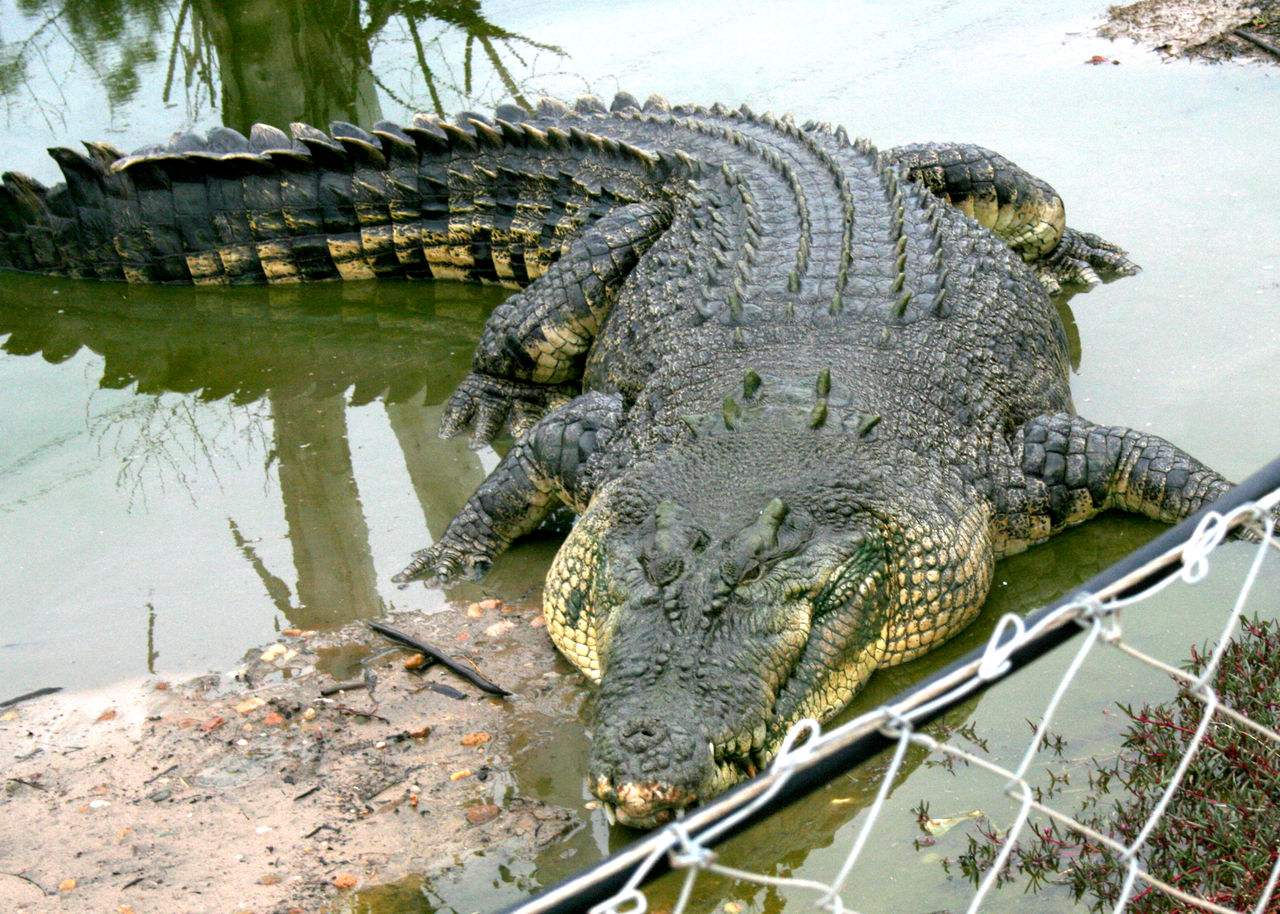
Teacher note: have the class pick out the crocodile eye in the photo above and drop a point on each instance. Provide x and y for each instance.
(751, 575)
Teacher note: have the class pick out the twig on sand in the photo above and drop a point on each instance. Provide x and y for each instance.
(473, 677)
(356, 712)
(1257, 40)
(42, 889)
(30, 695)
(343, 687)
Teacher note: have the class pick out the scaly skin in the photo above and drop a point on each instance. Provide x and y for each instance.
(801, 403)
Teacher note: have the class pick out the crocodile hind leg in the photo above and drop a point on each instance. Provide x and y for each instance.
(1019, 207)
(1066, 469)
(534, 345)
(561, 460)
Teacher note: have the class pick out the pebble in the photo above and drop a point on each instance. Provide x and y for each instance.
(345, 881)
(420, 732)
(67, 885)
(249, 705)
(478, 738)
(538, 621)
(498, 629)
(271, 653)
(484, 812)
(415, 661)
(99, 804)
(309, 714)
(489, 604)
(460, 774)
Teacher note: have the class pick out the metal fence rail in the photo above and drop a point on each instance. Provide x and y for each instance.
(1094, 611)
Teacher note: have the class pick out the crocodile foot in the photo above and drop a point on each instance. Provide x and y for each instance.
(456, 557)
(1083, 259)
(487, 405)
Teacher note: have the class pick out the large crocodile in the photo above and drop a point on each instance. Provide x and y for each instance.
(801, 393)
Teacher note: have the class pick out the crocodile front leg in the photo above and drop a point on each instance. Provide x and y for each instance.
(1022, 209)
(562, 460)
(534, 345)
(1066, 469)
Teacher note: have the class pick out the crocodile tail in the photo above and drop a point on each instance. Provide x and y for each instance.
(430, 199)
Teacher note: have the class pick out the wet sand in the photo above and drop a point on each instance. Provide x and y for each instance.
(250, 792)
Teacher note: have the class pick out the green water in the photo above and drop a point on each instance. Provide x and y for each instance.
(184, 472)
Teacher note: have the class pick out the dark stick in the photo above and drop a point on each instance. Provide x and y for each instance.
(356, 712)
(30, 880)
(423, 648)
(1258, 40)
(306, 793)
(49, 690)
(343, 687)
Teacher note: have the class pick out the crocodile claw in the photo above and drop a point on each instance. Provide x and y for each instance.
(1083, 259)
(444, 564)
(487, 405)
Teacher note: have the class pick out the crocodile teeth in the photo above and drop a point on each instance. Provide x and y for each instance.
(757, 738)
(609, 814)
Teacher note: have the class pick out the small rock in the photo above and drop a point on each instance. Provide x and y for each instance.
(420, 732)
(9, 715)
(498, 629)
(99, 804)
(186, 723)
(269, 879)
(415, 661)
(460, 774)
(309, 714)
(474, 611)
(212, 724)
(109, 714)
(274, 719)
(125, 909)
(489, 604)
(484, 812)
(464, 636)
(538, 621)
(271, 653)
(345, 881)
(478, 738)
(292, 632)
(732, 907)
(249, 705)
(67, 885)
(161, 686)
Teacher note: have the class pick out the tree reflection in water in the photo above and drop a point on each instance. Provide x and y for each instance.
(272, 61)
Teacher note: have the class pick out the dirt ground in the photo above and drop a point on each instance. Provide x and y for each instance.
(1200, 29)
(249, 792)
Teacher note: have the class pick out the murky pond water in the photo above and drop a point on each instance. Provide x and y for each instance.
(182, 473)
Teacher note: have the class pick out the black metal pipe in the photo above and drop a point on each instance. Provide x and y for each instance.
(606, 878)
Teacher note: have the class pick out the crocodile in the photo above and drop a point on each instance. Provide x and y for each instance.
(801, 393)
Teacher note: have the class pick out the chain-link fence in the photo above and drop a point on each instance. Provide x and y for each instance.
(1101, 613)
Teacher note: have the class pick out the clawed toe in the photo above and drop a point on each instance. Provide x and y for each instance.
(1083, 259)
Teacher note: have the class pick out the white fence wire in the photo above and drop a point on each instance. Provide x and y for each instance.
(1102, 621)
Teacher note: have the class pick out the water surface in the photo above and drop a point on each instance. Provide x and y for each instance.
(183, 472)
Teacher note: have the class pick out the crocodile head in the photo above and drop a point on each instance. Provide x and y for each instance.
(721, 593)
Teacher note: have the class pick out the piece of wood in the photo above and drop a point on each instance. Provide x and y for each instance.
(1257, 40)
(472, 676)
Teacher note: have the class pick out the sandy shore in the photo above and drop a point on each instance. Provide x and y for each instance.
(249, 792)
(1199, 29)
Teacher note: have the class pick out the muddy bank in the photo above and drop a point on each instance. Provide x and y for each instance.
(1200, 29)
(250, 792)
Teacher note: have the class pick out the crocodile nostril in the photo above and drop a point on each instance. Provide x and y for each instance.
(644, 735)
